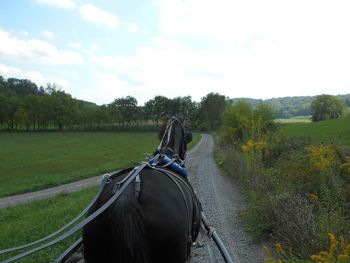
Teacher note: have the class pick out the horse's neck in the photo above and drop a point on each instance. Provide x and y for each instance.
(175, 141)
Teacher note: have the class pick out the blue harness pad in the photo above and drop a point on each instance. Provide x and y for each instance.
(165, 161)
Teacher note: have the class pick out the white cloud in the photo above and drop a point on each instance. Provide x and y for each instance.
(107, 87)
(75, 45)
(93, 14)
(34, 76)
(24, 33)
(47, 34)
(94, 47)
(265, 48)
(259, 69)
(133, 28)
(35, 50)
(68, 4)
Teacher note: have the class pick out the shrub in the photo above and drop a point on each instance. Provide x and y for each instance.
(293, 223)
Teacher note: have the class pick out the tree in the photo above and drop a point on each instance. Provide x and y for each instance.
(157, 108)
(3, 108)
(63, 109)
(183, 107)
(325, 107)
(236, 121)
(211, 108)
(241, 121)
(32, 108)
(9, 105)
(128, 109)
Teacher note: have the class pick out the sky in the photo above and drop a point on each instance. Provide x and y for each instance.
(102, 50)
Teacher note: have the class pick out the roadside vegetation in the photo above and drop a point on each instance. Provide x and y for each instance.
(296, 182)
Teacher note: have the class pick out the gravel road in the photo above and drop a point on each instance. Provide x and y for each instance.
(221, 203)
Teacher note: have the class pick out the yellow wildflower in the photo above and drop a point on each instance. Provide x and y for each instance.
(332, 238)
(347, 250)
(259, 145)
(322, 157)
(279, 248)
(313, 197)
(315, 257)
(248, 146)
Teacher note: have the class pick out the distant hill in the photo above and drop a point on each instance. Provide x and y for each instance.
(83, 105)
(287, 107)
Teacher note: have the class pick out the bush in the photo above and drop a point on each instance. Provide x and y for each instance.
(293, 223)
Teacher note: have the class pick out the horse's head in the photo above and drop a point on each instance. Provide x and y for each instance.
(173, 137)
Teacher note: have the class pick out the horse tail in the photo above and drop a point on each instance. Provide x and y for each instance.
(128, 231)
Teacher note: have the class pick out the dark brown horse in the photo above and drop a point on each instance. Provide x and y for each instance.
(159, 223)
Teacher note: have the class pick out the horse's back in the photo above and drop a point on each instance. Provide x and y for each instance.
(158, 220)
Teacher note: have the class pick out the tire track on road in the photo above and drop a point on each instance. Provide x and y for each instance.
(221, 202)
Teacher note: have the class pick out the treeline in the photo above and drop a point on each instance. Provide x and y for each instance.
(24, 106)
(287, 107)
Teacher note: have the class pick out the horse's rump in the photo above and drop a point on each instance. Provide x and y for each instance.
(158, 226)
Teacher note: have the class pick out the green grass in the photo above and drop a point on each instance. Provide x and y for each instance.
(297, 119)
(330, 131)
(33, 161)
(195, 139)
(28, 222)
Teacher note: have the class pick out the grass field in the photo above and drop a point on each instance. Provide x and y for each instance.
(32, 161)
(20, 224)
(330, 131)
(297, 119)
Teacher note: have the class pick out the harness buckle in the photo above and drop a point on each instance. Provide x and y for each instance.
(107, 178)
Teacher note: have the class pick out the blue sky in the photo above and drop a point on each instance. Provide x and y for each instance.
(102, 50)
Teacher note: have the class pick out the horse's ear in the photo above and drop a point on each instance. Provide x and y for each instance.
(188, 137)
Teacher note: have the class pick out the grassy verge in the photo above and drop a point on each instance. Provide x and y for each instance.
(28, 222)
(195, 139)
(296, 193)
